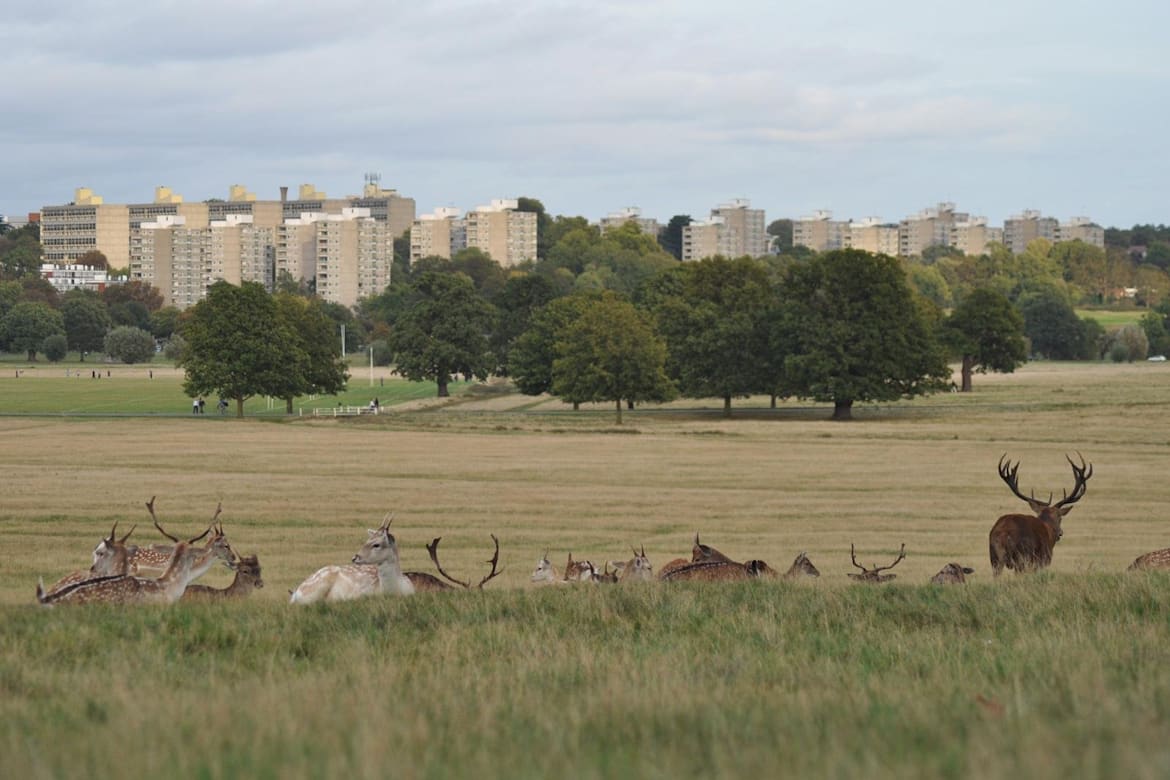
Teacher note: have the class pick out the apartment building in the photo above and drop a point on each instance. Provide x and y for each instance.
(86, 224)
(647, 225)
(1028, 225)
(501, 231)
(354, 253)
(820, 232)
(1082, 229)
(972, 237)
(733, 230)
(441, 233)
(873, 235)
(77, 277)
(929, 227)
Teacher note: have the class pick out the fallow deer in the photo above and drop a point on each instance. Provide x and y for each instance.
(153, 559)
(605, 576)
(951, 574)
(546, 572)
(247, 579)
(1025, 542)
(874, 575)
(801, 567)
(638, 568)
(709, 565)
(110, 558)
(188, 563)
(579, 571)
(1158, 559)
(375, 570)
(428, 582)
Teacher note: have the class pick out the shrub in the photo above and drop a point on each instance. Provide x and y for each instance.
(55, 347)
(130, 344)
(175, 347)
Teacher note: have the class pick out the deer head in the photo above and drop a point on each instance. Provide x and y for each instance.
(579, 571)
(109, 557)
(801, 567)
(380, 547)
(952, 573)
(638, 568)
(874, 575)
(545, 572)
(1047, 511)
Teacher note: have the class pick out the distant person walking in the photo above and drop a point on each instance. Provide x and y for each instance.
(201, 403)
(194, 406)
(221, 405)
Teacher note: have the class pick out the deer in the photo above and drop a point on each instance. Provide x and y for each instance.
(110, 558)
(874, 576)
(247, 579)
(546, 572)
(952, 574)
(375, 570)
(801, 567)
(187, 564)
(428, 582)
(709, 565)
(1024, 542)
(637, 569)
(154, 559)
(1158, 559)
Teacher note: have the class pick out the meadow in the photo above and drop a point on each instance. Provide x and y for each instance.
(1062, 673)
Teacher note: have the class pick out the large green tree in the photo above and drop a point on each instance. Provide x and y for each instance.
(86, 321)
(987, 333)
(238, 345)
(26, 326)
(322, 370)
(857, 332)
(611, 353)
(520, 298)
(717, 330)
(443, 330)
(1051, 324)
(530, 363)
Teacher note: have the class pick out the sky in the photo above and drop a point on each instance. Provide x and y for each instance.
(862, 109)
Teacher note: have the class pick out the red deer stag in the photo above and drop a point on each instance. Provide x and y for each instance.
(429, 582)
(1025, 542)
(874, 575)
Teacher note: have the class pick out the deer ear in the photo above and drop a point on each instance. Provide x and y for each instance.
(1064, 510)
(967, 570)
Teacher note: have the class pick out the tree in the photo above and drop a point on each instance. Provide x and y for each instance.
(1051, 325)
(987, 333)
(164, 322)
(1157, 335)
(443, 330)
(86, 321)
(611, 353)
(1084, 266)
(55, 347)
(521, 297)
(671, 236)
(94, 258)
(130, 344)
(857, 332)
(1128, 343)
(20, 252)
(717, 330)
(543, 223)
(238, 346)
(132, 313)
(322, 370)
(531, 360)
(135, 290)
(781, 232)
(26, 326)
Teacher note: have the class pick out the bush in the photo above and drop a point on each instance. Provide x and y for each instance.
(1128, 343)
(130, 344)
(383, 355)
(55, 347)
(175, 347)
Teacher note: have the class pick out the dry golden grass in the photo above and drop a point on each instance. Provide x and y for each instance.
(765, 484)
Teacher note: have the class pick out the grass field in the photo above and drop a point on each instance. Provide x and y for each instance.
(1113, 319)
(1065, 673)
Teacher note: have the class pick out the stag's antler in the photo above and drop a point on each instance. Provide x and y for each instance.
(873, 574)
(150, 506)
(1081, 475)
(495, 559)
(433, 550)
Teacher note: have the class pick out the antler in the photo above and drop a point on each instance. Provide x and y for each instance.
(150, 506)
(433, 550)
(494, 560)
(901, 555)
(1081, 475)
(870, 572)
(1010, 475)
(127, 536)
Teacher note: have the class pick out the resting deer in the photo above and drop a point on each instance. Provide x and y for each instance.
(188, 563)
(637, 569)
(874, 575)
(153, 559)
(546, 572)
(605, 576)
(952, 574)
(375, 570)
(801, 567)
(428, 582)
(247, 579)
(110, 558)
(709, 565)
(1025, 542)
(1158, 559)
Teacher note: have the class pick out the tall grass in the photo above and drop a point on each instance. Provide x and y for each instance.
(1064, 673)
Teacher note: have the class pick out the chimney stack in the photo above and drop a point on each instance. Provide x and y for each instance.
(283, 194)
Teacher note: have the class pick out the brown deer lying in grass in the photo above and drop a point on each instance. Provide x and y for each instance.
(375, 570)
(637, 569)
(952, 573)
(429, 582)
(874, 575)
(1025, 542)
(1158, 559)
(247, 579)
(188, 563)
(110, 558)
(152, 560)
(709, 565)
(801, 567)
(546, 572)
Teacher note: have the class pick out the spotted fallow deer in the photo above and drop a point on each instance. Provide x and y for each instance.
(375, 570)
(429, 582)
(1024, 542)
(247, 579)
(952, 574)
(546, 572)
(874, 576)
(110, 558)
(709, 565)
(188, 563)
(152, 560)
(1158, 559)
(637, 569)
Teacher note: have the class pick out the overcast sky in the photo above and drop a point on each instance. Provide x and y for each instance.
(861, 108)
